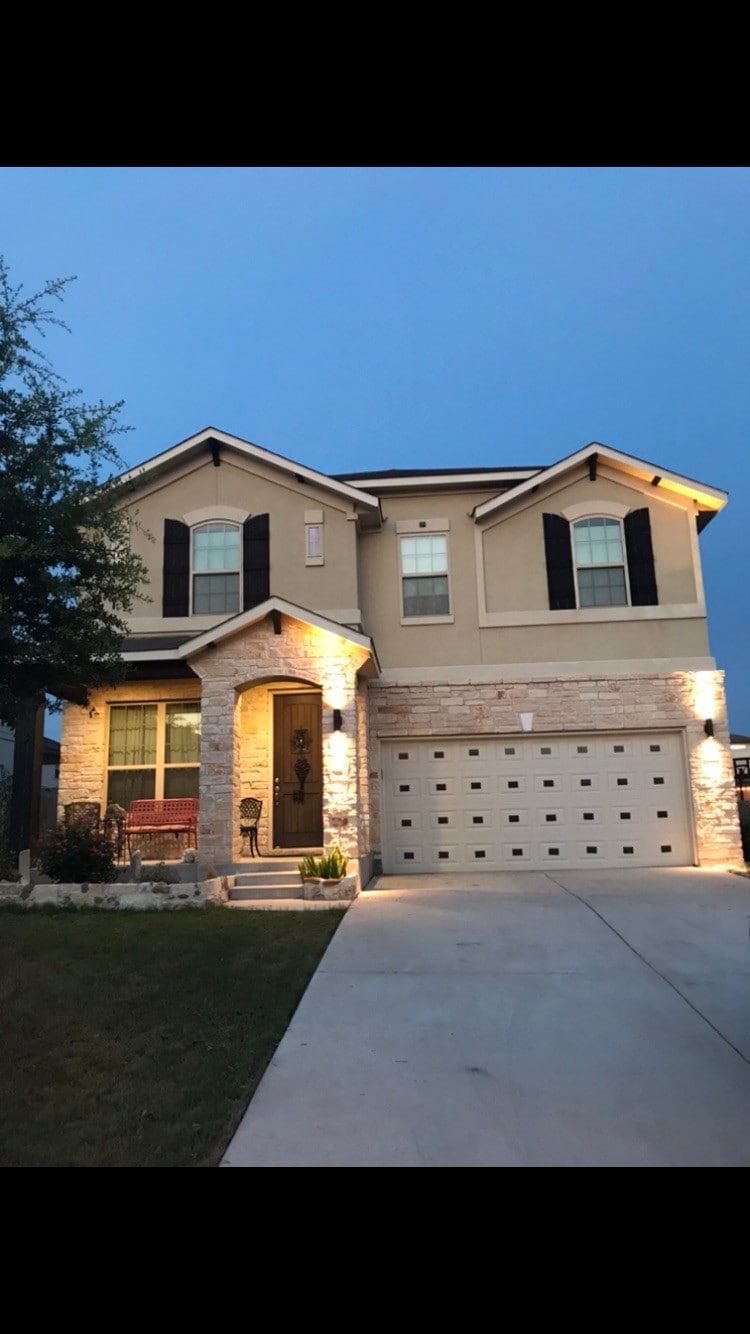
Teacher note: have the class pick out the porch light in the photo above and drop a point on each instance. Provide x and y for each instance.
(527, 721)
(708, 727)
(338, 721)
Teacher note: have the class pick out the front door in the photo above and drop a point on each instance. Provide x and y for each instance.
(297, 771)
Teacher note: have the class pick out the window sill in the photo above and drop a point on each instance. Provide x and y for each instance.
(427, 620)
(315, 560)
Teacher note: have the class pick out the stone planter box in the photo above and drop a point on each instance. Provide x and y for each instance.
(149, 896)
(315, 888)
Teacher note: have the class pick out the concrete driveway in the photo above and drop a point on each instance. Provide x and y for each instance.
(518, 1020)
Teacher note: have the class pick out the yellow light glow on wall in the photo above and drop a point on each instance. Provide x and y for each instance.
(705, 699)
(710, 755)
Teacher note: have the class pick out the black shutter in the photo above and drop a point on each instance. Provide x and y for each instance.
(176, 587)
(640, 559)
(560, 580)
(256, 564)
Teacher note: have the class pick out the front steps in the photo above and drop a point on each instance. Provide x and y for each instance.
(267, 879)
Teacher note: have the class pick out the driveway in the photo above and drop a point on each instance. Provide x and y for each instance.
(520, 1020)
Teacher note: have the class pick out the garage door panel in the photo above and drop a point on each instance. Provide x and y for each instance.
(535, 802)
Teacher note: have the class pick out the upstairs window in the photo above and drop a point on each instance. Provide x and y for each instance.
(217, 556)
(599, 555)
(424, 576)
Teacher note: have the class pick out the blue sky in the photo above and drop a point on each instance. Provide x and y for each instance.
(392, 317)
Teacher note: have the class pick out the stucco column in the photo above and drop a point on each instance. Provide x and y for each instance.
(218, 821)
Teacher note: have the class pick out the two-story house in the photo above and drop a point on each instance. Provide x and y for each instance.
(452, 670)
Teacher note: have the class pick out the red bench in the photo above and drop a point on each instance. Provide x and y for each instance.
(176, 815)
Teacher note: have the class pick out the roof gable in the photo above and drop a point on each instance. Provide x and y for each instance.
(710, 499)
(210, 438)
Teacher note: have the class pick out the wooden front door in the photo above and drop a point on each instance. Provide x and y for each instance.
(297, 771)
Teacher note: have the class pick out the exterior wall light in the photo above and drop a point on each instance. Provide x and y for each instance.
(338, 721)
(708, 727)
(527, 721)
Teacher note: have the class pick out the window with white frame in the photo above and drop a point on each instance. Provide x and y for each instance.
(424, 576)
(600, 566)
(216, 567)
(314, 543)
(154, 751)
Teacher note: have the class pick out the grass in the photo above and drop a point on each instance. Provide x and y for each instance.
(138, 1040)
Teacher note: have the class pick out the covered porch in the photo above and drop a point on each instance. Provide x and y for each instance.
(269, 705)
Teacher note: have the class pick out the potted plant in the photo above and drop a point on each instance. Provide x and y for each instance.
(322, 876)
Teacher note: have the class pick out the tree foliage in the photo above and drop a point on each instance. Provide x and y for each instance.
(67, 574)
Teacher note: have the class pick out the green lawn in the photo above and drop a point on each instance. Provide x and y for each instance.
(137, 1040)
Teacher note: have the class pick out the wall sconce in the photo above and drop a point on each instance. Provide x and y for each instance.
(527, 721)
(338, 721)
(708, 727)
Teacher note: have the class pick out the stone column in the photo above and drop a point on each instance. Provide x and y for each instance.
(218, 821)
(340, 785)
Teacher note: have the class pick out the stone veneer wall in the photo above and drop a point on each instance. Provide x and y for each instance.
(83, 750)
(257, 656)
(635, 703)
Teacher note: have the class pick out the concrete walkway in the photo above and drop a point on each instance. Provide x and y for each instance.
(577, 1019)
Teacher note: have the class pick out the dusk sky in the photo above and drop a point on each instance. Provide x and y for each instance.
(415, 317)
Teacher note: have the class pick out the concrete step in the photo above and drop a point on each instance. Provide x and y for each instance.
(261, 892)
(257, 878)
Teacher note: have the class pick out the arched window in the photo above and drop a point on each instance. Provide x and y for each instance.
(600, 566)
(216, 568)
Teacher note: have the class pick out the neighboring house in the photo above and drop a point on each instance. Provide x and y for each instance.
(740, 747)
(453, 670)
(49, 777)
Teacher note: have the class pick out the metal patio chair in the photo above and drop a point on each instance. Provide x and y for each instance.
(250, 809)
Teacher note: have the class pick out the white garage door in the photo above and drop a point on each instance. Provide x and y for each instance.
(535, 803)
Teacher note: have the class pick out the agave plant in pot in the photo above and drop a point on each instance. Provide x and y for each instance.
(321, 876)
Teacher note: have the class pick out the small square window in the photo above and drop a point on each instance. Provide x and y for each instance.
(510, 750)
(408, 856)
(443, 856)
(517, 852)
(585, 782)
(404, 787)
(591, 849)
(627, 851)
(406, 824)
(658, 782)
(473, 753)
(553, 852)
(442, 819)
(441, 787)
(403, 754)
(477, 819)
(514, 819)
(476, 787)
(666, 847)
(438, 754)
(512, 783)
(545, 750)
(551, 819)
(588, 815)
(478, 853)
(622, 782)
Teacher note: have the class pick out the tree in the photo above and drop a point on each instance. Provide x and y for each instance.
(67, 574)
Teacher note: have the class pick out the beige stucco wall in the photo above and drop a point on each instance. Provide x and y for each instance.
(380, 584)
(259, 489)
(515, 573)
(680, 700)
(512, 571)
(658, 638)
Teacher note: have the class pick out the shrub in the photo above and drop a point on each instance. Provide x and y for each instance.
(76, 853)
(8, 870)
(329, 867)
